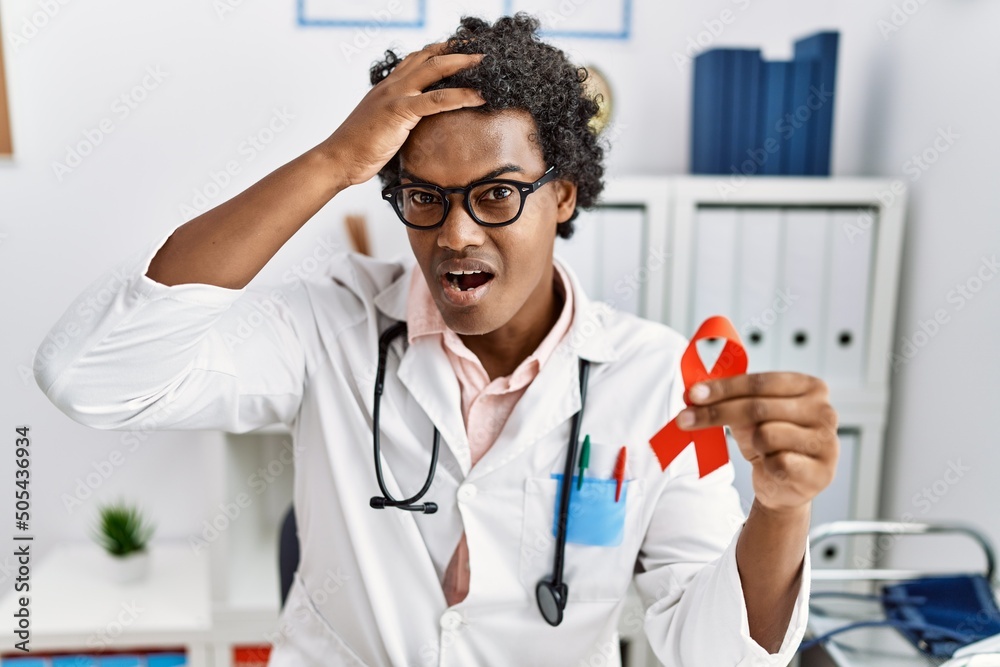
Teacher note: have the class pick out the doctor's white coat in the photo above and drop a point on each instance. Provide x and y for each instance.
(368, 589)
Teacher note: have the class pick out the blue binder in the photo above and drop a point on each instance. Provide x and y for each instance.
(800, 118)
(708, 111)
(773, 118)
(775, 79)
(823, 47)
(121, 661)
(74, 661)
(743, 109)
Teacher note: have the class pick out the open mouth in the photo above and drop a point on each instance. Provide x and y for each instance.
(466, 289)
(465, 281)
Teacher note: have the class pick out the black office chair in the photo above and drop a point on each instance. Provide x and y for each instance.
(288, 552)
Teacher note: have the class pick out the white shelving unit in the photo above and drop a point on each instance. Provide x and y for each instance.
(205, 602)
(247, 591)
(74, 604)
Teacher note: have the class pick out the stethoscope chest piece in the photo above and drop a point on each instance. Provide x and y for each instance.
(551, 601)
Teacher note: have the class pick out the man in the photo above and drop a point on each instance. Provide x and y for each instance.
(484, 146)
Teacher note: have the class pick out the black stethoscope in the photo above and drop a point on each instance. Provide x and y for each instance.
(550, 593)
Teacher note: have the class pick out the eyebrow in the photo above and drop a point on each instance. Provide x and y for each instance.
(503, 169)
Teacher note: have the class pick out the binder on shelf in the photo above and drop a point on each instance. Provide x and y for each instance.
(742, 106)
(799, 121)
(775, 79)
(801, 328)
(134, 658)
(700, 102)
(823, 47)
(759, 301)
(624, 261)
(166, 660)
(845, 337)
(251, 656)
(746, 66)
(607, 254)
(709, 132)
(121, 661)
(714, 266)
(581, 250)
(835, 504)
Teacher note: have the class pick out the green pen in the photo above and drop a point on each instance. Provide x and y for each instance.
(584, 461)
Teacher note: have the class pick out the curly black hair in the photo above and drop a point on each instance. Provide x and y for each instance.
(519, 71)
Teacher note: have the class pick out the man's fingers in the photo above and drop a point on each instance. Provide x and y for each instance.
(775, 383)
(792, 474)
(443, 99)
(738, 412)
(417, 57)
(772, 437)
(435, 68)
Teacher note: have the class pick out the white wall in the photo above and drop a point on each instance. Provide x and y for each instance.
(225, 75)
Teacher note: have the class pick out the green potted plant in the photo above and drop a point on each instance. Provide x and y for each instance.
(124, 531)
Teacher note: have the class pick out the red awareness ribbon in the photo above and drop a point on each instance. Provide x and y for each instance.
(709, 443)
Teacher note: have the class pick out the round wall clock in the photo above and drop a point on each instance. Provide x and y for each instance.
(597, 87)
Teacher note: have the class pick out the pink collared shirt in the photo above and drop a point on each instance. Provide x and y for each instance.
(486, 404)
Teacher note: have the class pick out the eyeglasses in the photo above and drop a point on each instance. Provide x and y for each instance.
(494, 202)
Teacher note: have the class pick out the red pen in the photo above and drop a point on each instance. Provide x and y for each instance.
(620, 472)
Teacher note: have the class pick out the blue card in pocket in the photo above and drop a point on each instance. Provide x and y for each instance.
(594, 516)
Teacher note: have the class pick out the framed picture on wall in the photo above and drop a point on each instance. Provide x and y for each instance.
(610, 19)
(361, 14)
(6, 146)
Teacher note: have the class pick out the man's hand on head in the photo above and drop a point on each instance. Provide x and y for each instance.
(380, 123)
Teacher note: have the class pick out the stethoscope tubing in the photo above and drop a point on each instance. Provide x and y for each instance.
(574, 440)
(387, 500)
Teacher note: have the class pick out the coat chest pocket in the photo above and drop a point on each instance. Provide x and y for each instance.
(603, 536)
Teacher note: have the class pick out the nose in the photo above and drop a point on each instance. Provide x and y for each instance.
(459, 230)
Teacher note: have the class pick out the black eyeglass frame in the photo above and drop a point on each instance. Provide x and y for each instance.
(525, 189)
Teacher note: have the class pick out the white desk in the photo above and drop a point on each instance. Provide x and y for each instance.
(74, 605)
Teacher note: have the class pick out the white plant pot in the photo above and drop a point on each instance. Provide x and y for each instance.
(127, 569)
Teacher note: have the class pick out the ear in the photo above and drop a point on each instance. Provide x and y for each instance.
(565, 199)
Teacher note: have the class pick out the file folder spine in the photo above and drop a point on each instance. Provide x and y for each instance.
(711, 136)
(743, 110)
(822, 47)
(774, 91)
(798, 123)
